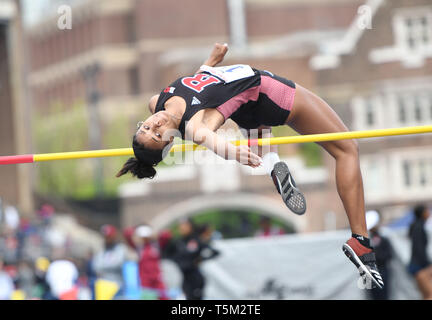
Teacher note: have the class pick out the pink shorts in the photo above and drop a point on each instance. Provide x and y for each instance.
(268, 104)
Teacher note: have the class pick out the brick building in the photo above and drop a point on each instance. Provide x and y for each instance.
(141, 45)
(365, 74)
(383, 79)
(132, 39)
(15, 188)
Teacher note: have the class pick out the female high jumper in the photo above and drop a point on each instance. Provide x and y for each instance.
(197, 105)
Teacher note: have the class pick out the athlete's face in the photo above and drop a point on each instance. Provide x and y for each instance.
(153, 132)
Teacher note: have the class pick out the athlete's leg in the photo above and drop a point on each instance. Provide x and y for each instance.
(311, 115)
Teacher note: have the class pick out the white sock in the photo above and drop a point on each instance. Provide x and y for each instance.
(269, 160)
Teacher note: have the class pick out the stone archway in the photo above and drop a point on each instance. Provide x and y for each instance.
(245, 201)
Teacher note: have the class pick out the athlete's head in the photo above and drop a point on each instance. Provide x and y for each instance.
(148, 143)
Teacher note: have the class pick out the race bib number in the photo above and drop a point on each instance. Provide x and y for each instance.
(230, 73)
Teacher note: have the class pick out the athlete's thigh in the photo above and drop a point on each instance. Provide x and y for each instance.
(312, 115)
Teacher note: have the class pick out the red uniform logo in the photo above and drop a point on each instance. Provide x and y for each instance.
(169, 89)
(199, 81)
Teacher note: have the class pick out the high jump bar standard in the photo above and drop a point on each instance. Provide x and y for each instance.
(30, 158)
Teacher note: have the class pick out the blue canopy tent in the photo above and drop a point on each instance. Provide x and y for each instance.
(403, 222)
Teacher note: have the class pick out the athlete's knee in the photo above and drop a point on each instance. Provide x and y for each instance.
(347, 148)
(352, 147)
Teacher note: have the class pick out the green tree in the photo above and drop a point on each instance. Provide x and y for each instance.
(64, 129)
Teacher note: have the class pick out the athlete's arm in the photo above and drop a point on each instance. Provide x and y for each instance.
(216, 56)
(152, 103)
(223, 148)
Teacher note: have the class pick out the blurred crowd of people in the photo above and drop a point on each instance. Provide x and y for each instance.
(112, 265)
(34, 260)
(419, 266)
(36, 263)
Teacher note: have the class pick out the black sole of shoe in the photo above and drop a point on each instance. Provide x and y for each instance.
(295, 201)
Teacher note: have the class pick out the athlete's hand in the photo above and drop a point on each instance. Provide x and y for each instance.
(218, 53)
(245, 156)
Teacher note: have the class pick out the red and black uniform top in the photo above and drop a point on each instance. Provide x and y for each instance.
(202, 91)
(244, 100)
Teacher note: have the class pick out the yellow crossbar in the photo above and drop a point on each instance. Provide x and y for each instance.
(261, 142)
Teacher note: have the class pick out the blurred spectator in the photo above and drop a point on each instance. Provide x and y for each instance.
(149, 258)
(206, 235)
(383, 253)
(25, 277)
(164, 239)
(53, 238)
(61, 277)
(266, 228)
(84, 288)
(31, 241)
(167, 244)
(108, 263)
(6, 284)
(46, 212)
(1, 212)
(9, 246)
(187, 254)
(90, 273)
(420, 266)
(41, 289)
(11, 217)
(245, 226)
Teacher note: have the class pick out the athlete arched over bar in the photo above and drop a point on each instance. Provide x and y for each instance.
(197, 105)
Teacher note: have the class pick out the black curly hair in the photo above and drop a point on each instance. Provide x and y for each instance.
(142, 165)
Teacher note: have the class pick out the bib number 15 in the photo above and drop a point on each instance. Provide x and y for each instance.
(199, 81)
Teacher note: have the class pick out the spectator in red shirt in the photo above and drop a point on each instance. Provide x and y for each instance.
(141, 239)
